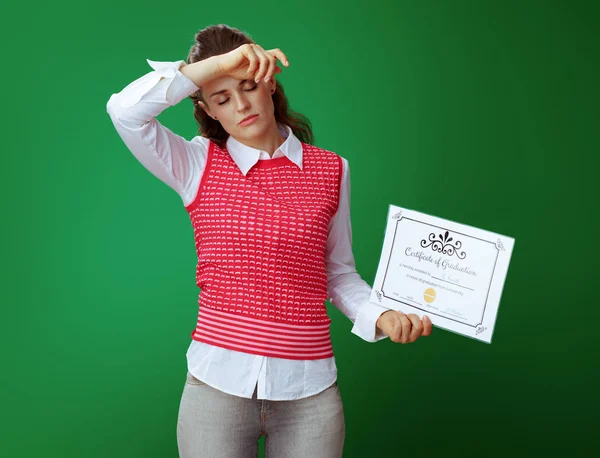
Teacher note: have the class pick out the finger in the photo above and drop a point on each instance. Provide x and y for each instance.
(253, 58)
(427, 326)
(264, 63)
(417, 327)
(406, 325)
(272, 66)
(280, 55)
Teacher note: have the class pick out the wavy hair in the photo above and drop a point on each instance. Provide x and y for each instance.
(220, 39)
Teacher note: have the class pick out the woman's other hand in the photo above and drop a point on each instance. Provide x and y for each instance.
(403, 328)
(251, 61)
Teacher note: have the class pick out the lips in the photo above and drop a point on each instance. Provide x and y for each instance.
(247, 117)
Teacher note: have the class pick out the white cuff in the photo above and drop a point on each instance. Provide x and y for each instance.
(366, 320)
(179, 87)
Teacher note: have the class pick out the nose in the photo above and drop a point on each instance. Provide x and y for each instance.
(241, 102)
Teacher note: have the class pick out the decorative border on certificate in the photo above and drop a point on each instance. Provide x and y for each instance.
(451, 272)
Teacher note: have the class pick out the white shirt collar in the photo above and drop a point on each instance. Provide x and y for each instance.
(245, 156)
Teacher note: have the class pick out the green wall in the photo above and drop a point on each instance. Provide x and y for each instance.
(482, 112)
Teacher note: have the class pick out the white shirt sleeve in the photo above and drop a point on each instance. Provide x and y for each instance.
(168, 156)
(347, 291)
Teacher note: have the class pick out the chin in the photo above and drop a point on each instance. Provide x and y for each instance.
(254, 130)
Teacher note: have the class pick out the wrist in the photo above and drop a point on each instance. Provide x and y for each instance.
(202, 71)
(216, 65)
(377, 324)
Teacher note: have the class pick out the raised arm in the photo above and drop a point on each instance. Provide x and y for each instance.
(133, 111)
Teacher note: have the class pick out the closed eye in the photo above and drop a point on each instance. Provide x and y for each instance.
(247, 90)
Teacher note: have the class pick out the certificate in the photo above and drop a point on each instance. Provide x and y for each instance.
(451, 272)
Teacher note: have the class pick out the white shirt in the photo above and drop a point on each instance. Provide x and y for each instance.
(179, 163)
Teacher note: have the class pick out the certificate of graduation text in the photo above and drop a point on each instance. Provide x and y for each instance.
(451, 272)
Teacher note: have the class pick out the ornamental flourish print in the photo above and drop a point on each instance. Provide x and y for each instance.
(443, 245)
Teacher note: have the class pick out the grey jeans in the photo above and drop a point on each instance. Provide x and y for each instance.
(215, 424)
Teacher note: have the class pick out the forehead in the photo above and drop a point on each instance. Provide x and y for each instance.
(222, 83)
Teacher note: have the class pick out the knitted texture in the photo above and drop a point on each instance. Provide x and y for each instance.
(260, 241)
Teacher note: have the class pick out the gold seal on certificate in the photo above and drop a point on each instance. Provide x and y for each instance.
(451, 272)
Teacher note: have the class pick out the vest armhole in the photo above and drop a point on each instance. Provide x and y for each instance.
(209, 157)
(339, 184)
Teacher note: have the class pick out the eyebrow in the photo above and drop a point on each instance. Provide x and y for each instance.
(225, 90)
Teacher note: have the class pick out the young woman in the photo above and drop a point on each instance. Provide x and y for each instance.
(271, 221)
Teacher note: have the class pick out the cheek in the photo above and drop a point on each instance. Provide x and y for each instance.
(265, 99)
(223, 112)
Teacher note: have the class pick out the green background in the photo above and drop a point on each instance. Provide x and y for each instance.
(482, 112)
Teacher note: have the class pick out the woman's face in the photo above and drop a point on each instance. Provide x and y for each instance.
(230, 100)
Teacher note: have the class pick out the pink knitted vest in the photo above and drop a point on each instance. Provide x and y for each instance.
(260, 241)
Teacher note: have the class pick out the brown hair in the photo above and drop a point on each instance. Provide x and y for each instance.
(220, 39)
